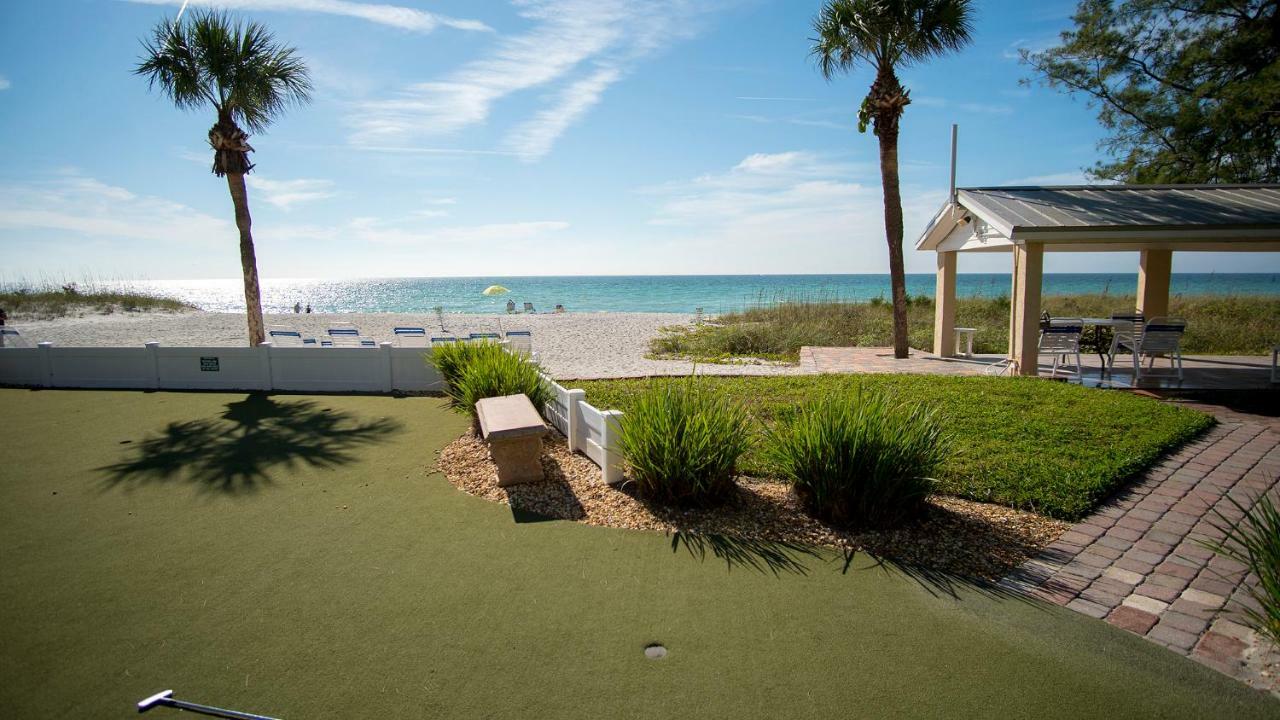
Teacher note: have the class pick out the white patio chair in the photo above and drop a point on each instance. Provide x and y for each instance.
(1061, 338)
(1161, 337)
(1125, 333)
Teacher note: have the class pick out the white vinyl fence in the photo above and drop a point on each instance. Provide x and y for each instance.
(592, 432)
(301, 369)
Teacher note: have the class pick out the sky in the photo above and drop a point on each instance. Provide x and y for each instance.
(521, 137)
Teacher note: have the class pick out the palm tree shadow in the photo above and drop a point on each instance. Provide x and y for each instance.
(234, 453)
(757, 554)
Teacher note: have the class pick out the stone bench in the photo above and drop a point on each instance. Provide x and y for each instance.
(514, 429)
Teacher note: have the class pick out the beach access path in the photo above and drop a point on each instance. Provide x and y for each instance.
(570, 345)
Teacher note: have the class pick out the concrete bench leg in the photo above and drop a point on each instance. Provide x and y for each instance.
(518, 460)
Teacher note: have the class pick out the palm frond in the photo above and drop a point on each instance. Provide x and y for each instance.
(888, 33)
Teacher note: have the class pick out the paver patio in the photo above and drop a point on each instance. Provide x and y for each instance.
(1136, 562)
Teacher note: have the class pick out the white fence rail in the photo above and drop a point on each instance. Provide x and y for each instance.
(381, 369)
(592, 432)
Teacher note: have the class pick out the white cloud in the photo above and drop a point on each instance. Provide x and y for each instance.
(824, 215)
(4, 83)
(393, 15)
(88, 209)
(565, 35)
(533, 139)
(284, 194)
(1070, 177)
(410, 235)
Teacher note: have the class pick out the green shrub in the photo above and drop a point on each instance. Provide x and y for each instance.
(474, 371)
(859, 459)
(1255, 542)
(682, 442)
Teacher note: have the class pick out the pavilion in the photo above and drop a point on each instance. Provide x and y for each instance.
(1154, 220)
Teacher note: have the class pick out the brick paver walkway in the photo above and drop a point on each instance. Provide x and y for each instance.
(1136, 563)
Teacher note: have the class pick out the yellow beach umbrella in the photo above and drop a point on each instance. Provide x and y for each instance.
(495, 290)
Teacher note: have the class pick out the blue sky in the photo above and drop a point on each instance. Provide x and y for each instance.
(531, 137)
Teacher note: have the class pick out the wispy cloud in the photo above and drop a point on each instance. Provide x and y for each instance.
(84, 208)
(818, 208)
(405, 18)
(284, 194)
(533, 139)
(607, 36)
(4, 83)
(759, 98)
(1069, 177)
(408, 232)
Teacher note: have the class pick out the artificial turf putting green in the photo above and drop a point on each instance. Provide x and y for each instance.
(295, 556)
(1054, 448)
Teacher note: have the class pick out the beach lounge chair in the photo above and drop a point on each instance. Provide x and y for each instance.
(282, 336)
(485, 337)
(1161, 336)
(411, 337)
(520, 342)
(442, 339)
(1060, 337)
(528, 307)
(11, 337)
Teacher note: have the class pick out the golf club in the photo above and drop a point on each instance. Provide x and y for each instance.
(166, 698)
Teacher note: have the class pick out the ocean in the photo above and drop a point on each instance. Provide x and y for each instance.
(650, 293)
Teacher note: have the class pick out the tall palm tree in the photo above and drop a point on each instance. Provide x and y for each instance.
(887, 35)
(250, 79)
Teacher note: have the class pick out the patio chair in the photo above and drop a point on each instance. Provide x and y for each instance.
(10, 337)
(520, 341)
(1125, 333)
(1161, 336)
(411, 337)
(1061, 338)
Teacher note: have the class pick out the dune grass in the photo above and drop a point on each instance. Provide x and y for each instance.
(341, 578)
(49, 303)
(1054, 448)
(1217, 325)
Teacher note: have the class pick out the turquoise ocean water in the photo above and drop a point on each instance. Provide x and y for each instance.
(673, 293)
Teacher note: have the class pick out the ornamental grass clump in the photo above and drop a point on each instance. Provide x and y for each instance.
(682, 442)
(1254, 541)
(474, 371)
(859, 460)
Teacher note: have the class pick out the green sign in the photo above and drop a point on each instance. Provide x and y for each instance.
(209, 364)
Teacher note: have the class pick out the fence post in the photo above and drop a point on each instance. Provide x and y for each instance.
(611, 468)
(153, 348)
(388, 367)
(572, 399)
(46, 362)
(264, 363)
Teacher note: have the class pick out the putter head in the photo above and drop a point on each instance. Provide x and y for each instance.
(150, 702)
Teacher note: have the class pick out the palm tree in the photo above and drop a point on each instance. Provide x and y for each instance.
(249, 79)
(886, 35)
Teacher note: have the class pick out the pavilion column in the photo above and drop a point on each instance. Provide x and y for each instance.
(1028, 271)
(944, 306)
(1154, 270)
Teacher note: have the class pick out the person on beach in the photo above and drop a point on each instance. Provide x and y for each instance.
(297, 308)
(3, 316)
(308, 308)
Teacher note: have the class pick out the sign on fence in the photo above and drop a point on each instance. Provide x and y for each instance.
(208, 364)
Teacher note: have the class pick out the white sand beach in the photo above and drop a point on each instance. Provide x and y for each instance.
(570, 345)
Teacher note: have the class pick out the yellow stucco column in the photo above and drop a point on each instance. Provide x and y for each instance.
(1029, 270)
(1154, 269)
(944, 306)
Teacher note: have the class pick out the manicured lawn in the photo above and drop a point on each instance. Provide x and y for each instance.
(295, 556)
(1050, 447)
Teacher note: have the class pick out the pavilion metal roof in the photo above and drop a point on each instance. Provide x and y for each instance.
(1090, 213)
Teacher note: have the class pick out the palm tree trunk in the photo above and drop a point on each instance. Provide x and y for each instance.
(248, 258)
(887, 132)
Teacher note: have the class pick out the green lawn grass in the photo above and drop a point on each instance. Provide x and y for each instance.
(1050, 447)
(1216, 325)
(297, 557)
